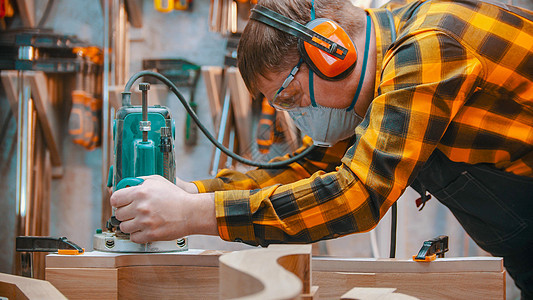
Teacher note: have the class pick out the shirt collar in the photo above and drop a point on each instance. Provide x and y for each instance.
(380, 20)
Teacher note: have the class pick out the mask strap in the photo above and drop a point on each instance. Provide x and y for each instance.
(365, 58)
(311, 89)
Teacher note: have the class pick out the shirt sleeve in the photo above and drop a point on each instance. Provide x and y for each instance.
(325, 159)
(426, 78)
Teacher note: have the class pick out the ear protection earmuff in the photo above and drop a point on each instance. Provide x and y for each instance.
(324, 46)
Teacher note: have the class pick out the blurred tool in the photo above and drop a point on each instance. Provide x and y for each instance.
(266, 127)
(6, 9)
(46, 50)
(182, 73)
(85, 120)
(172, 5)
(432, 249)
(143, 138)
(30, 244)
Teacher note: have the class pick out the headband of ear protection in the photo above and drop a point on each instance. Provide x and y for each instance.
(323, 44)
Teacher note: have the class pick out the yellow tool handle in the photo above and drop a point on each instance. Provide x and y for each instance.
(70, 251)
(429, 258)
(158, 5)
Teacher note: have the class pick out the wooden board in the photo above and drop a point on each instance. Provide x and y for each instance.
(177, 275)
(241, 105)
(392, 265)
(85, 283)
(457, 278)
(135, 12)
(26, 10)
(49, 117)
(213, 82)
(9, 81)
(17, 287)
(375, 294)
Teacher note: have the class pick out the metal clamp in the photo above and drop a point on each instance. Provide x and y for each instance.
(432, 249)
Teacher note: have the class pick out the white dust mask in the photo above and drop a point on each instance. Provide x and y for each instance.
(325, 125)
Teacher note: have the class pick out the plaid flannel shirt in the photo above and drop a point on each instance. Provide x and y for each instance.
(458, 78)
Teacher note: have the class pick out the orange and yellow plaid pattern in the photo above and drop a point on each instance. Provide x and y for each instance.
(458, 78)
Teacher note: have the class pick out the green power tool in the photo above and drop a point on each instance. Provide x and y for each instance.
(143, 142)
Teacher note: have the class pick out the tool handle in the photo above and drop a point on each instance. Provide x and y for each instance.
(158, 5)
(128, 182)
(124, 183)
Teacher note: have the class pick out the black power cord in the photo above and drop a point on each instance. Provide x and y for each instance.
(126, 100)
(393, 223)
(394, 212)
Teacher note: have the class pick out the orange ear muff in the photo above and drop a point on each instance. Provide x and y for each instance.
(324, 64)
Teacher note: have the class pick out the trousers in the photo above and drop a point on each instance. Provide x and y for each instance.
(494, 207)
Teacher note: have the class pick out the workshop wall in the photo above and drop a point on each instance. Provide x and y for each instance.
(76, 203)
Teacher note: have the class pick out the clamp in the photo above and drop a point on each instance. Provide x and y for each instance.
(29, 244)
(47, 244)
(432, 249)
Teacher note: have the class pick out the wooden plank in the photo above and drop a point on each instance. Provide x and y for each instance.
(168, 282)
(312, 295)
(135, 12)
(48, 116)
(97, 259)
(135, 276)
(241, 105)
(213, 82)
(278, 272)
(144, 273)
(136, 282)
(26, 10)
(17, 287)
(386, 265)
(375, 294)
(9, 81)
(452, 285)
(85, 283)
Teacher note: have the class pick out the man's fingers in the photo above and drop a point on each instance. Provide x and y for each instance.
(153, 177)
(123, 197)
(125, 213)
(139, 237)
(130, 226)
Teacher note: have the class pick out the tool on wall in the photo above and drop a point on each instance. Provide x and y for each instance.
(171, 5)
(228, 16)
(274, 128)
(86, 114)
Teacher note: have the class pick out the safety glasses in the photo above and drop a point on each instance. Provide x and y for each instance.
(290, 93)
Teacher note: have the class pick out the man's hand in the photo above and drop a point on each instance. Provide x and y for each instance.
(158, 210)
(189, 187)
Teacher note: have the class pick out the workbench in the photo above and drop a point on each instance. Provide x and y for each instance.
(195, 274)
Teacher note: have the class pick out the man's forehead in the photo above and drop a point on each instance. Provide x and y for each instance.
(270, 82)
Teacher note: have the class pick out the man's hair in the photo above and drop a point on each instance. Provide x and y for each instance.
(263, 49)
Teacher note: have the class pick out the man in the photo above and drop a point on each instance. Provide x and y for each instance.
(446, 92)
